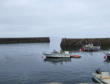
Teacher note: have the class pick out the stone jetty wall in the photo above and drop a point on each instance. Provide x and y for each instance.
(73, 44)
(25, 40)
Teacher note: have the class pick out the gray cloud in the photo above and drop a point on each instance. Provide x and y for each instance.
(64, 18)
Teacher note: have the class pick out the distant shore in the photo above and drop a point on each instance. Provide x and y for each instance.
(25, 40)
(73, 43)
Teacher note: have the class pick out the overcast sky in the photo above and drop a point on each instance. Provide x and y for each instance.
(61, 18)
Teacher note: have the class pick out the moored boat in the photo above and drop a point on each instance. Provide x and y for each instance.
(90, 47)
(56, 54)
(102, 78)
(57, 60)
(108, 55)
(75, 56)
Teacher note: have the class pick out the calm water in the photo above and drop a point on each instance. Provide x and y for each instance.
(22, 64)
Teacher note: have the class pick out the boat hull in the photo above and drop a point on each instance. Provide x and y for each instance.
(98, 80)
(108, 55)
(102, 78)
(57, 55)
(75, 56)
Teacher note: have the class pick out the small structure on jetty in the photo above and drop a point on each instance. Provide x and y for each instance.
(25, 40)
(74, 44)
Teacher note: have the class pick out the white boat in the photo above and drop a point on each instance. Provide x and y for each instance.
(58, 60)
(57, 54)
(108, 54)
(102, 78)
(90, 47)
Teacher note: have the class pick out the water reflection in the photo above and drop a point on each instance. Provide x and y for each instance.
(57, 60)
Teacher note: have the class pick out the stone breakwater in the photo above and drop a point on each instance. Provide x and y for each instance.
(74, 44)
(25, 40)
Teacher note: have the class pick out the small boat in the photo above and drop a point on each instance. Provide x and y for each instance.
(58, 60)
(102, 78)
(107, 60)
(75, 56)
(90, 47)
(108, 55)
(56, 54)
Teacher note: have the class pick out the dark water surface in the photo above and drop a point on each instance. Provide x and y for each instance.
(23, 64)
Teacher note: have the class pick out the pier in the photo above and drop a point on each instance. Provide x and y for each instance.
(25, 40)
(74, 44)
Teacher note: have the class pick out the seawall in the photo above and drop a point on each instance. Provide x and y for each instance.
(25, 40)
(73, 44)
